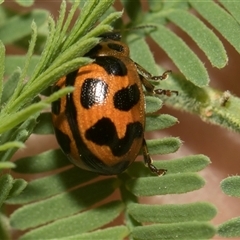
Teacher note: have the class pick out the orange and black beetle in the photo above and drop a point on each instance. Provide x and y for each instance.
(100, 125)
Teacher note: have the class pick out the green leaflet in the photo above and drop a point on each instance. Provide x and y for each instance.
(158, 122)
(202, 35)
(11, 64)
(153, 104)
(25, 3)
(79, 223)
(172, 213)
(40, 163)
(230, 228)
(163, 145)
(119, 233)
(61, 205)
(231, 186)
(37, 190)
(176, 183)
(215, 15)
(233, 7)
(188, 230)
(44, 125)
(193, 163)
(15, 28)
(184, 58)
(6, 183)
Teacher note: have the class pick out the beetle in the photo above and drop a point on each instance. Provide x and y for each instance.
(100, 125)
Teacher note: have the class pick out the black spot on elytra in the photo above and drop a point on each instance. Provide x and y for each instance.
(126, 98)
(71, 78)
(63, 140)
(94, 51)
(56, 105)
(70, 109)
(94, 91)
(116, 47)
(104, 132)
(112, 65)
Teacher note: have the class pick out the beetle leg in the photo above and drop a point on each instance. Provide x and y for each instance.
(165, 92)
(145, 76)
(142, 71)
(148, 161)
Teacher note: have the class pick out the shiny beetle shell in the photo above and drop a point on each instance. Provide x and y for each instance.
(100, 125)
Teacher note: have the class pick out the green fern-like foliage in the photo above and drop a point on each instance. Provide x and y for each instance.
(64, 202)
